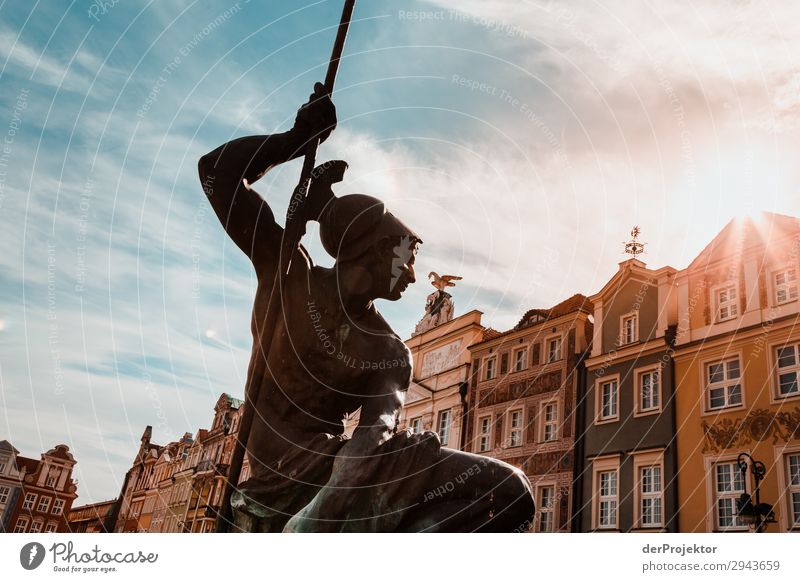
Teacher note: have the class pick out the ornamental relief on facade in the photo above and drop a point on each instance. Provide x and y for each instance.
(516, 390)
(543, 463)
(757, 426)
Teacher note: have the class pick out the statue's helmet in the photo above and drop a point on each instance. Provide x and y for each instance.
(351, 224)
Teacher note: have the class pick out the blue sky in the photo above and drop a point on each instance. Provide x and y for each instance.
(523, 140)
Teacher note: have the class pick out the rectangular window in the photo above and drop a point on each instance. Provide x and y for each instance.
(649, 391)
(30, 500)
(728, 487)
(51, 527)
(608, 400)
(546, 506)
(650, 496)
(607, 500)
(550, 422)
(416, 425)
(629, 329)
(2, 467)
(22, 523)
(726, 302)
(51, 481)
(793, 494)
(444, 426)
(553, 349)
(785, 286)
(485, 426)
(490, 368)
(4, 491)
(44, 504)
(58, 507)
(788, 369)
(36, 526)
(515, 428)
(724, 388)
(520, 359)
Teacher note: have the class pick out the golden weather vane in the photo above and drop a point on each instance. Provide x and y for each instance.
(635, 247)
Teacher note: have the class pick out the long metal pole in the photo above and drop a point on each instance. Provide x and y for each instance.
(293, 232)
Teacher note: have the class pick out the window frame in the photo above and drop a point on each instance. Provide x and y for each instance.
(412, 422)
(516, 360)
(726, 383)
(602, 465)
(22, 522)
(520, 429)
(638, 375)
(46, 500)
(487, 435)
(543, 424)
(623, 340)
(554, 338)
(715, 292)
(29, 505)
(5, 493)
(648, 460)
(51, 527)
(776, 396)
(444, 413)
(58, 503)
(598, 400)
(712, 519)
(792, 489)
(789, 285)
(540, 510)
(485, 365)
(785, 487)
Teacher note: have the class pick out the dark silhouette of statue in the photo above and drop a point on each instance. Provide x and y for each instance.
(332, 353)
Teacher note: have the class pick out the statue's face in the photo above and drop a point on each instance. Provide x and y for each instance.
(397, 259)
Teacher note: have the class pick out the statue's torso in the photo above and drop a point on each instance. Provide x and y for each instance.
(323, 361)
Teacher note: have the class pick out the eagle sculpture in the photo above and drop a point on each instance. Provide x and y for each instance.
(443, 281)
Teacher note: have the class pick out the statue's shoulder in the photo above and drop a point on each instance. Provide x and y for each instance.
(396, 347)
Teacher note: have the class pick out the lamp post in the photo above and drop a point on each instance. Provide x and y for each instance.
(749, 507)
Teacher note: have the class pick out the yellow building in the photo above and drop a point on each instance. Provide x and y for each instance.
(737, 360)
(437, 396)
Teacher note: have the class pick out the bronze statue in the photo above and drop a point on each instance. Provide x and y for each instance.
(331, 354)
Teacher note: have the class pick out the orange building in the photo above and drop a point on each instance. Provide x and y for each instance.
(737, 360)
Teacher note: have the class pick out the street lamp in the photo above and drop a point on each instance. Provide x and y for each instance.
(751, 510)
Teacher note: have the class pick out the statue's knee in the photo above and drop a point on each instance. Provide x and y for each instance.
(515, 495)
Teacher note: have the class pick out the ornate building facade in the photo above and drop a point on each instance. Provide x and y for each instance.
(36, 495)
(178, 487)
(737, 362)
(523, 388)
(437, 398)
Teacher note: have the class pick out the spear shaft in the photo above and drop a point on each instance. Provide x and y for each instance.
(293, 232)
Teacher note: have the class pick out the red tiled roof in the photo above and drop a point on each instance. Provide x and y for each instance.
(490, 333)
(29, 465)
(577, 302)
